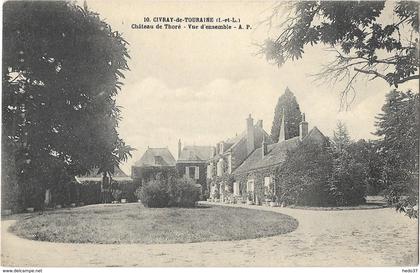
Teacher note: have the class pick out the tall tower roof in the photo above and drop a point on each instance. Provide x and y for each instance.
(282, 135)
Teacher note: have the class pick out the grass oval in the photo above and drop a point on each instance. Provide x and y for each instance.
(132, 223)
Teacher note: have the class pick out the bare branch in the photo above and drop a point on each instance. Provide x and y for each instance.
(388, 77)
(373, 72)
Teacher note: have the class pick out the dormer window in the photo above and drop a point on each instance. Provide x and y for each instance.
(158, 160)
(221, 148)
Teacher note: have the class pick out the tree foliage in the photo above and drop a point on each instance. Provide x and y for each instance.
(288, 105)
(348, 180)
(303, 178)
(321, 174)
(169, 192)
(365, 39)
(398, 127)
(59, 85)
(366, 153)
(154, 194)
(183, 192)
(341, 138)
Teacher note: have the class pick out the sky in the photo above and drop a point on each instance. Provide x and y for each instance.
(200, 85)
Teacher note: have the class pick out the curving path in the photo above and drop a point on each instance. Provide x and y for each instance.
(376, 237)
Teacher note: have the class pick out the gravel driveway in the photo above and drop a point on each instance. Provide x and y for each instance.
(375, 237)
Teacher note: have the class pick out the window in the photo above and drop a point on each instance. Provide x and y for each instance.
(158, 160)
(220, 167)
(267, 185)
(230, 163)
(236, 188)
(191, 172)
(250, 186)
(210, 170)
(197, 173)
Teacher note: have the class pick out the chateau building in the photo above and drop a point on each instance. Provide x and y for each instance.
(152, 162)
(240, 166)
(255, 174)
(231, 153)
(192, 162)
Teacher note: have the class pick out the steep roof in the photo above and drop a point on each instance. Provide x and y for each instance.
(196, 153)
(235, 140)
(316, 136)
(156, 157)
(277, 152)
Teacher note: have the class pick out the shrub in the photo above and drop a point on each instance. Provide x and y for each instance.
(155, 194)
(183, 193)
(171, 193)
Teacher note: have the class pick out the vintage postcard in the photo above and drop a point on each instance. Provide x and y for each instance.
(210, 134)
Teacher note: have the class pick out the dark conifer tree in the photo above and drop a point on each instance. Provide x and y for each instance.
(288, 103)
(398, 127)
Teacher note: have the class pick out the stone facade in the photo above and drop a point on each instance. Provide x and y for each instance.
(196, 171)
(143, 174)
(192, 162)
(154, 161)
(256, 177)
(244, 167)
(258, 183)
(230, 154)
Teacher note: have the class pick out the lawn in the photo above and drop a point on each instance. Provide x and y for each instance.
(132, 223)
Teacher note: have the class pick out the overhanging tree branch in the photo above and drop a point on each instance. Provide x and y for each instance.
(388, 77)
(366, 44)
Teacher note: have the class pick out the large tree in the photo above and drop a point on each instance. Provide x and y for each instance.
(288, 106)
(366, 153)
(61, 72)
(366, 41)
(398, 127)
(349, 177)
(341, 137)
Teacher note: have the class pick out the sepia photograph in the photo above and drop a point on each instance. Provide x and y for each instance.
(229, 134)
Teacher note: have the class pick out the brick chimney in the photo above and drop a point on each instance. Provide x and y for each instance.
(264, 147)
(250, 145)
(179, 148)
(282, 135)
(303, 127)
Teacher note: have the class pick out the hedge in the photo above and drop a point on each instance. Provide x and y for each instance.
(170, 193)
